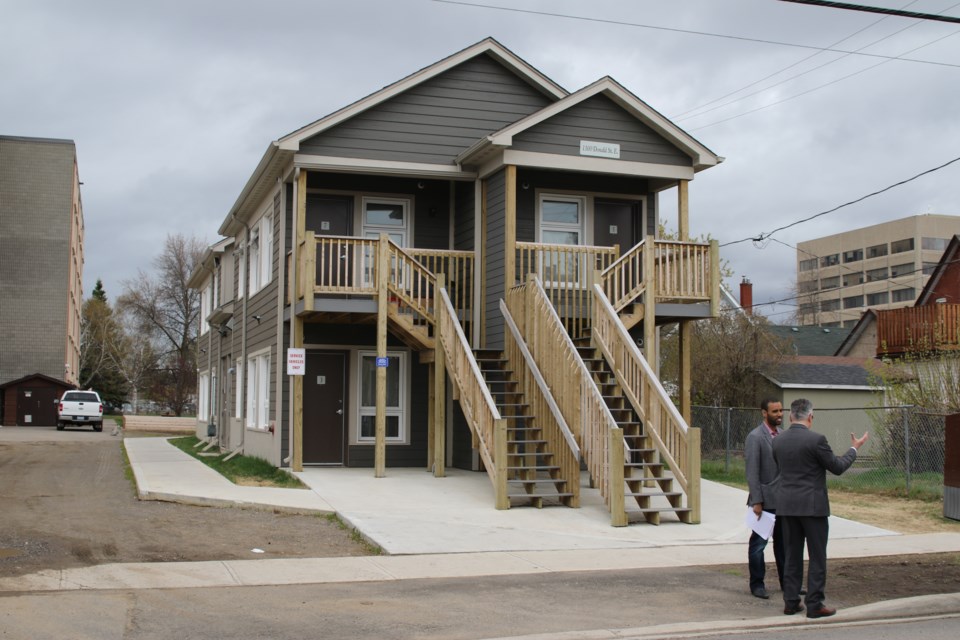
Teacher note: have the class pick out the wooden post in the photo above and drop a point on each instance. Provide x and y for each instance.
(500, 463)
(714, 278)
(383, 274)
(683, 210)
(649, 303)
(686, 368)
(439, 391)
(482, 266)
(693, 477)
(431, 407)
(297, 461)
(308, 272)
(510, 229)
(618, 510)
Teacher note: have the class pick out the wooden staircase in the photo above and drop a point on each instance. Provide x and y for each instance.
(533, 475)
(648, 480)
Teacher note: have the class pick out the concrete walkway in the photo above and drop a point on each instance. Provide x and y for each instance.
(447, 527)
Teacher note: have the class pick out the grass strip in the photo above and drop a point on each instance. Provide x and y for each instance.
(245, 470)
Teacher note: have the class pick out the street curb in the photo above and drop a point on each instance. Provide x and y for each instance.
(931, 606)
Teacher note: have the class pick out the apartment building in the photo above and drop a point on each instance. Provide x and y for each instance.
(883, 266)
(41, 259)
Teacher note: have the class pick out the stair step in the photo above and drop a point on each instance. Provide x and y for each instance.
(559, 494)
(521, 481)
(542, 467)
(653, 494)
(527, 442)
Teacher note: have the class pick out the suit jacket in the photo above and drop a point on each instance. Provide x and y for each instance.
(761, 468)
(804, 457)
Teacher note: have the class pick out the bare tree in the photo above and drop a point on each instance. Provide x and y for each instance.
(136, 361)
(101, 341)
(165, 309)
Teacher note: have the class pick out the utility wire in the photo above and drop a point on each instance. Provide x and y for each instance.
(890, 12)
(689, 32)
(765, 235)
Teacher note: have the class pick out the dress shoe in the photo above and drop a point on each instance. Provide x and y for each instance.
(761, 593)
(821, 612)
(803, 591)
(791, 609)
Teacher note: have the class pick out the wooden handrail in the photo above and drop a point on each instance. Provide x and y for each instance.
(488, 427)
(682, 271)
(572, 386)
(410, 282)
(679, 444)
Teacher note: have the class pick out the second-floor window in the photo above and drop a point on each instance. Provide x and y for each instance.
(260, 263)
(561, 223)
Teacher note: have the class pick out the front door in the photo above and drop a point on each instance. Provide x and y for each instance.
(332, 216)
(617, 222)
(37, 407)
(324, 408)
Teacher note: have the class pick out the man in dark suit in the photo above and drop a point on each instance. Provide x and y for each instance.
(803, 458)
(761, 473)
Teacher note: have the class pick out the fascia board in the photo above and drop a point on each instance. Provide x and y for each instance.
(271, 158)
(331, 163)
(596, 165)
(543, 83)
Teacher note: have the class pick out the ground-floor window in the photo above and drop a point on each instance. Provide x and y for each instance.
(258, 390)
(396, 397)
(203, 401)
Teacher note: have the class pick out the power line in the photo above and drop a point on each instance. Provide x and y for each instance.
(688, 32)
(763, 236)
(890, 12)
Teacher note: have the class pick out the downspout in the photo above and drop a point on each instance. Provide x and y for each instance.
(294, 247)
(243, 334)
(277, 429)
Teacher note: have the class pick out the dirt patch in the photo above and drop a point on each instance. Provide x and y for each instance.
(69, 504)
(896, 514)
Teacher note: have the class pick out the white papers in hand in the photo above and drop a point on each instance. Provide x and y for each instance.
(762, 527)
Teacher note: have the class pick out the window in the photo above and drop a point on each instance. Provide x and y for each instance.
(203, 397)
(241, 273)
(933, 244)
(874, 275)
(561, 221)
(903, 295)
(206, 307)
(383, 215)
(829, 261)
(806, 286)
(238, 389)
(852, 302)
(853, 256)
(806, 308)
(261, 253)
(929, 267)
(829, 283)
(901, 245)
(877, 250)
(851, 279)
(902, 269)
(877, 298)
(258, 391)
(808, 265)
(829, 305)
(396, 397)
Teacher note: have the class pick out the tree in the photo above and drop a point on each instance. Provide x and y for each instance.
(137, 360)
(101, 341)
(165, 310)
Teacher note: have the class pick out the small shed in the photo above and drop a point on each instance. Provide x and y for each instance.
(31, 401)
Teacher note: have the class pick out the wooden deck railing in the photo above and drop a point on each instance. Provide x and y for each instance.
(542, 405)
(458, 269)
(679, 444)
(489, 429)
(682, 271)
(573, 388)
(565, 272)
(927, 328)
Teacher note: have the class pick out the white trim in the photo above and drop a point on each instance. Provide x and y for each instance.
(258, 390)
(595, 165)
(402, 412)
(332, 163)
(827, 387)
(489, 45)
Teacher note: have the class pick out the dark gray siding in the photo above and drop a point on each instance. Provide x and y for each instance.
(465, 217)
(494, 267)
(600, 119)
(436, 120)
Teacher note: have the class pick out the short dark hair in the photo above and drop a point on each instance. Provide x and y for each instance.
(800, 409)
(765, 404)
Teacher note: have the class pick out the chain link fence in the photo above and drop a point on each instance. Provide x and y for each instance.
(904, 454)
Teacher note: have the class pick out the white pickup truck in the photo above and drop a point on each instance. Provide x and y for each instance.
(80, 407)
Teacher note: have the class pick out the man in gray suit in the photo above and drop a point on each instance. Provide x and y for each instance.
(803, 458)
(761, 472)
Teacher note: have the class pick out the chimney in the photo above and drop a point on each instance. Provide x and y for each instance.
(746, 296)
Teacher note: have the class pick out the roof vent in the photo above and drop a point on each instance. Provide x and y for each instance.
(825, 330)
(795, 329)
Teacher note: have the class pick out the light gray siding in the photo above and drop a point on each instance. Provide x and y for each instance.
(436, 120)
(494, 267)
(599, 119)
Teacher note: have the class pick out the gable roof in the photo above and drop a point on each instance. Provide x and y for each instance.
(38, 376)
(824, 372)
(948, 261)
(811, 340)
(856, 333)
(700, 155)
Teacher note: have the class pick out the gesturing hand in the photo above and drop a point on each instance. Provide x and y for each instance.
(856, 442)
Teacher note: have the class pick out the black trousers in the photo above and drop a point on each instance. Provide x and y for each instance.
(813, 531)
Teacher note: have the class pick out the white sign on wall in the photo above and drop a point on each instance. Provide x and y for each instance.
(296, 361)
(600, 149)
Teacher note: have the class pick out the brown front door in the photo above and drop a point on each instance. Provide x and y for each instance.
(37, 407)
(325, 408)
(616, 222)
(332, 216)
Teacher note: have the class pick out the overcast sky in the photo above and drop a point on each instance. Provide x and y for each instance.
(172, 104)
